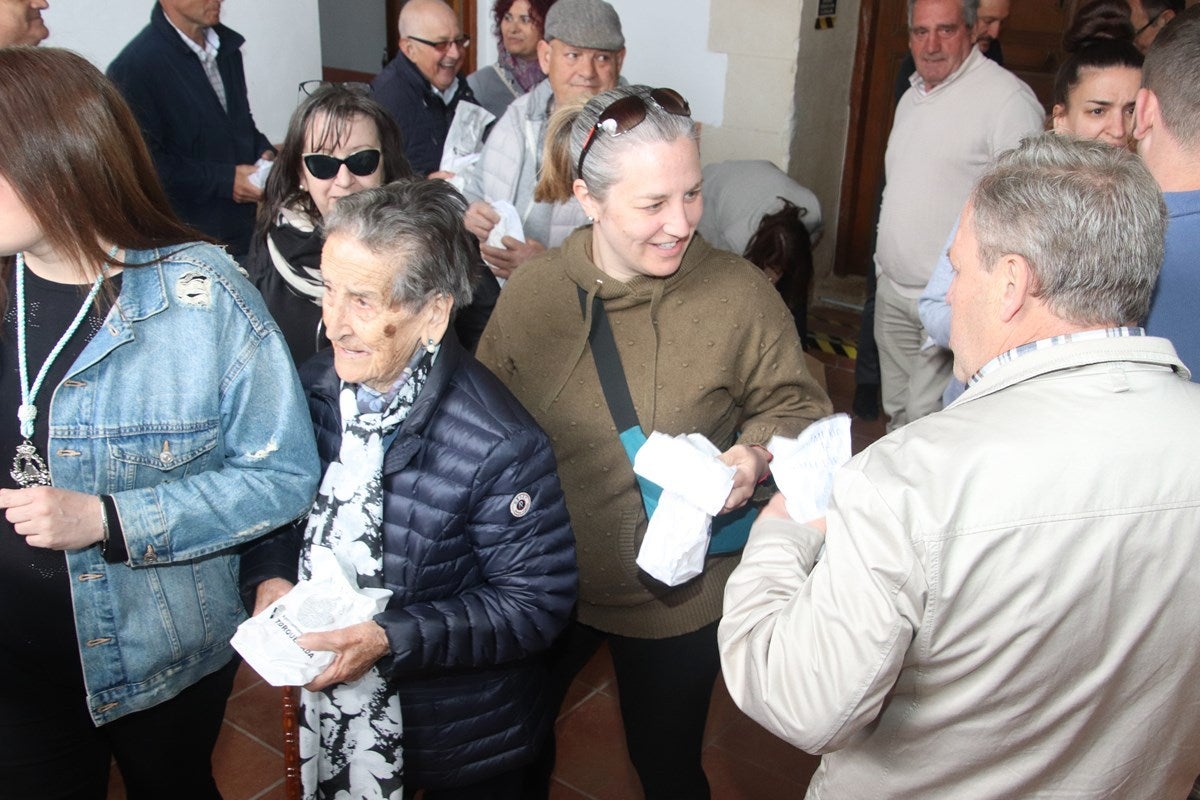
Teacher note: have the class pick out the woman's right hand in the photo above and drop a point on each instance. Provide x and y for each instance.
(269, 591)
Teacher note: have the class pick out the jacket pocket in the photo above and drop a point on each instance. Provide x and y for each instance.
(153, 456)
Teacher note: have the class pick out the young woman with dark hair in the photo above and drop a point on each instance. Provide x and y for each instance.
(154, 425)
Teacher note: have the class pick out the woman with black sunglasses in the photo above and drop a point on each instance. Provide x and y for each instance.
(339, 142)
(698, 341)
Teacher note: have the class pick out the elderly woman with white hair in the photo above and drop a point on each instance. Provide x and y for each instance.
(440, 487)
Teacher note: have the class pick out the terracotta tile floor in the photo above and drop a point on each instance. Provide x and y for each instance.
(743, 761)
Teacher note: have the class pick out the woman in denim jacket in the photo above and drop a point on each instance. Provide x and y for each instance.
(153, 423)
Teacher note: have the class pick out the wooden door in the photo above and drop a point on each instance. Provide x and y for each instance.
(1031, 40)
(466, 15)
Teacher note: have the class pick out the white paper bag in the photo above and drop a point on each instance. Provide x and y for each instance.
(464, 139)
(696, 484)
(804, 467)
(327, 601)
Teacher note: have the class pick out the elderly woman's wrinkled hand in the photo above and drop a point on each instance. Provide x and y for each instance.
(357, 648)
(503, 261)
(751, 464)
(57, 519)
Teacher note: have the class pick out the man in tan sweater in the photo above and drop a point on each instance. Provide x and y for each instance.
(961, 111)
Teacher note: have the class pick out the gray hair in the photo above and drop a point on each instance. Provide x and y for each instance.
(416, 227)
(601, 168)
(1089, 219)
(1172, 72)
(970, 12)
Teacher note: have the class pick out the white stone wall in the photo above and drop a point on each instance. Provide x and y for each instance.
(820, 119)
(761, 39)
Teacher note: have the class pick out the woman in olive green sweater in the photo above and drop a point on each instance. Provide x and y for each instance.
(706, 345)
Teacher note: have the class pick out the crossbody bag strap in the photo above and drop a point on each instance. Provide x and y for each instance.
(616, 393)
(729, 531)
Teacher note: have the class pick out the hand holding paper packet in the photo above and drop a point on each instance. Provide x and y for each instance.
(330, 599)
(695, 484)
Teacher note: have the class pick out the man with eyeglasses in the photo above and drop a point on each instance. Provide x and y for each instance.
(183, 78)
(960, 111)
(581, 53)
(421, 87)
(1149, 17)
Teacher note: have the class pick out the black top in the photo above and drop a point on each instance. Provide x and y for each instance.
(37, 628)
(298, 316)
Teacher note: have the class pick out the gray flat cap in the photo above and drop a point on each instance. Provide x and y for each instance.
(585, 23)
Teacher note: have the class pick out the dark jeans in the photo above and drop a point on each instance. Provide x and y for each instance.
(665, 687)
(866, 365)
(51, 750)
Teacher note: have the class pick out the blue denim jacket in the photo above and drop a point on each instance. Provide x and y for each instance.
(185, 407)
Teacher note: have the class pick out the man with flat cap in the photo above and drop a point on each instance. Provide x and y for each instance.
(581, 55)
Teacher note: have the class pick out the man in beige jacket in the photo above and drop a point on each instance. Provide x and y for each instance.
(1006, 603)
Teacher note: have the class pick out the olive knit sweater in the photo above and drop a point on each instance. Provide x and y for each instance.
(711, 349)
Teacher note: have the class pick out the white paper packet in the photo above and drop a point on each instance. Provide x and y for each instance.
(464, 140)
(263, 169)
(804, 467)
(509, 225)
(327, 601)
(695, 486)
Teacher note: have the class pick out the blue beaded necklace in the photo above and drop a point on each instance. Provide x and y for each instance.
(29, 468)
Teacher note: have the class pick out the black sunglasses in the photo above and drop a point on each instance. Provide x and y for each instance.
(323, 167)
(629, 112)
(463, 43)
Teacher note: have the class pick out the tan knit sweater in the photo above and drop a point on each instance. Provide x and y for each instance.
(711, 349)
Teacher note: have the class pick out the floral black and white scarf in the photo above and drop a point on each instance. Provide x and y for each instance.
(350, 733)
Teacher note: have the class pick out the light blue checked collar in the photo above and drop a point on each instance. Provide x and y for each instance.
(1045, 344)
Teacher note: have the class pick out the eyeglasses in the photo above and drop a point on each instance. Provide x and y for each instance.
(307, 88)
(1148, 25)
(323, 167)
(463, 43)
(629, 112)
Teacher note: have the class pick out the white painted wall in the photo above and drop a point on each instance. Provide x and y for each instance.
(283, 45)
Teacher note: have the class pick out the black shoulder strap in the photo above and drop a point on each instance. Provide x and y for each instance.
(608, 365)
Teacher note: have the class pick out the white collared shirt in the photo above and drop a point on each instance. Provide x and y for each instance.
(208, 59)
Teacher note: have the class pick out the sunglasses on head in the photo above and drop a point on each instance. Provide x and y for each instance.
(629, 112)
(323, 167)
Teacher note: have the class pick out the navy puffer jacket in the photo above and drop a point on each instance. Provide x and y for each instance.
(479, 554)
